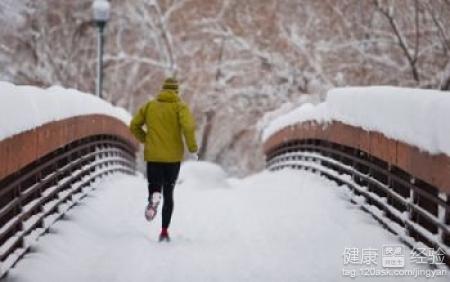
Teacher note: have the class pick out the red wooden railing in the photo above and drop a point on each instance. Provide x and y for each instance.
(47, 170)
(404, 188)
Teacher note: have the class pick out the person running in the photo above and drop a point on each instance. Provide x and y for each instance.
(167, 120)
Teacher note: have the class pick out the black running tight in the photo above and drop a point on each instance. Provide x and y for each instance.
(161, 178)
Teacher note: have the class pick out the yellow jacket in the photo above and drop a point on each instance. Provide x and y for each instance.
(166, 119)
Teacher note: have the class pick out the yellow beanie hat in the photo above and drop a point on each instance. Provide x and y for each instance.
(170, 84)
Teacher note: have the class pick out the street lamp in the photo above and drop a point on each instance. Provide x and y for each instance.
(101, 10)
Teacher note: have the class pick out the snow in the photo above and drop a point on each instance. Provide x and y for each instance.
(203, 175)
(415, 116)
(306, 99)
(282, 226)
(306, 112)
(11, 12)
(27, 107)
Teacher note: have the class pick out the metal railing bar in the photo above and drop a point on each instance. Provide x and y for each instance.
(59, 158)
(386, 188)
(32, 226)
(392, 193)
(396, 178)
(69, 166)
(37, 204)
(334, 175)
(21, 236)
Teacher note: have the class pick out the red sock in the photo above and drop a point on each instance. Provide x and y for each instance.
(164, 231)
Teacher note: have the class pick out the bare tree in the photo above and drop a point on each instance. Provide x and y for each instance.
(235, 60)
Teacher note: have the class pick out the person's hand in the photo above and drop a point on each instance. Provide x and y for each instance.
(192, 156)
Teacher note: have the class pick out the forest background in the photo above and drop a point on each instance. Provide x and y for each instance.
(239, 63)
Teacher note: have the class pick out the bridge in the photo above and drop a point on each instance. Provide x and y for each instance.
(333, 196)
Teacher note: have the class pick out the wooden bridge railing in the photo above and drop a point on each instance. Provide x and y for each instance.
(45, 171)
(405, 189)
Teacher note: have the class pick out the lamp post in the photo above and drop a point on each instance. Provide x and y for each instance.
(101, 9)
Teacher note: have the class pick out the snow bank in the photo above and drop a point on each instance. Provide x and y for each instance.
(26, 107)
(202, 175)
(415, 116)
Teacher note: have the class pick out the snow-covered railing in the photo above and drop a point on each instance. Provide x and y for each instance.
(51, 164)
(404, 187)
(47, 170)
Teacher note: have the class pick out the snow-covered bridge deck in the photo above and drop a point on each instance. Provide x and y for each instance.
(282, 226)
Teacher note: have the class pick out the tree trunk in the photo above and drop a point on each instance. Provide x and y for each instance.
(206, 133)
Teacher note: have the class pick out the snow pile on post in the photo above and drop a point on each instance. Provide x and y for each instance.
(415, 116)
(26, 107)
